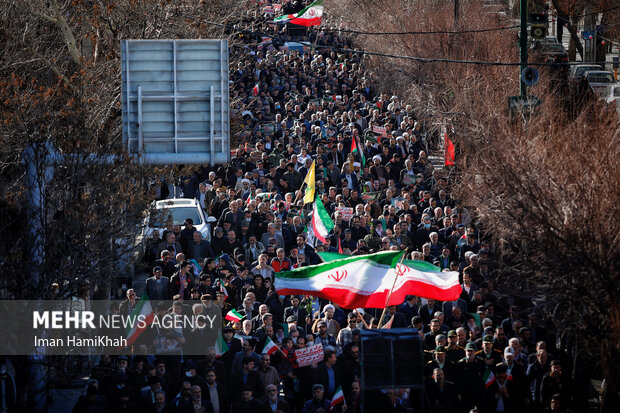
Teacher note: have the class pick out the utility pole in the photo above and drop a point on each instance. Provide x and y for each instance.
(523, 45)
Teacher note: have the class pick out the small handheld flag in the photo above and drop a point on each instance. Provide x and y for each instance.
(337, 399)
(220, 345)
(270, 347)
(233, 315)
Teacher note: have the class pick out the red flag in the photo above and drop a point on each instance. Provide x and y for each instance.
(449, 148)
(255, 90)
(339, 247)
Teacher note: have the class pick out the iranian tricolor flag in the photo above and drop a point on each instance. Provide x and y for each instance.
(220, 345)
(141, 316)
(337, 398)
(233, 315)
(417, 278)
(310, 16)
(355, 148)
(360, 281)
(488, 377)
(270, 347)
(321, 222)
(255, 90)
(223, 288)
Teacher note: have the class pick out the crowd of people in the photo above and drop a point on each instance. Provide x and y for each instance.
(481, 352)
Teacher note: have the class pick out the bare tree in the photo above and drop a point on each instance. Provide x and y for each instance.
(543, 184)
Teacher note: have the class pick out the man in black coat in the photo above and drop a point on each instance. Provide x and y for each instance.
(272, 402)
(442, 393)
(247, 378)
(166, 264)
(198, 248)
(247, 404)
(399, 318)
(157, 286)
(216, 393)
(196, 401)
(295, 310)
(328, 374)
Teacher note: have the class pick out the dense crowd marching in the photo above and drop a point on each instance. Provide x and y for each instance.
(480, 351)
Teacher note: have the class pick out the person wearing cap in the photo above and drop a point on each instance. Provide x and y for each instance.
(156, 287)
(439, 361)
(322, 336)
(454, 352)
(333, 327)
(491, 356)
(516, 373)
(470, 370)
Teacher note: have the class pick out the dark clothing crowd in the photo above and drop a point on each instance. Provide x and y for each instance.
(301, 101)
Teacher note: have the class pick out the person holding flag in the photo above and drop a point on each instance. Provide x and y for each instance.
(337, 399)
(357, 148)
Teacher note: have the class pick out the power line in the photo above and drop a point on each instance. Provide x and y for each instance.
(393, 56)
(421, 32)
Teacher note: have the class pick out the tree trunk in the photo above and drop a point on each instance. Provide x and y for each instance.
(563, 18)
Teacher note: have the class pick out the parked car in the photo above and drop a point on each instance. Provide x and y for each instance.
(613, 98)
(600, 82)
(576, 72)
(177, 210)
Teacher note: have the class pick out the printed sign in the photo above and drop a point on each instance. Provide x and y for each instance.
(347, 213)
(309, 355)
(380, 130)
(398, 202)
(367, 196)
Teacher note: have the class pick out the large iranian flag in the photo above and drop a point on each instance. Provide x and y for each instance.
(417, 278)
(310, 16)
(360, 281)
(321, 222)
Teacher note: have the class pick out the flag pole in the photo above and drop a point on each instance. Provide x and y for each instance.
(298, 193)
(392, 289)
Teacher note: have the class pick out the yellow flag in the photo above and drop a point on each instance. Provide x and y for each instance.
(309, 181)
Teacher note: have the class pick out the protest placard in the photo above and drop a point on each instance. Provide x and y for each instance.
(347, 213)
(367, 196)
(398, 203)
(380, 130)
(309, 355)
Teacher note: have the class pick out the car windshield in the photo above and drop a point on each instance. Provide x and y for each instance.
(554, 47)
(581, 70)
(178, 216)
(601, 78)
